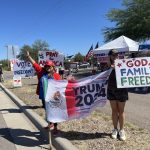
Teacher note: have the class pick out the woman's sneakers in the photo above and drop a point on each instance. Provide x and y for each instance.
(114, 133)
(121, 133)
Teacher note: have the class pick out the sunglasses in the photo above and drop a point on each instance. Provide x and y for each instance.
(48, 66)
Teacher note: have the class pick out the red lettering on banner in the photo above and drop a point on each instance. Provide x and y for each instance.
(144, 62)
(42, 62)
(129, 63)
(57, 63)
(137, 63)
(52, 54)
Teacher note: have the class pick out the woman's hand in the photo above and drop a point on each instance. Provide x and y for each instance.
(71, 78)
(112, 66)
(27, 53)
(29, 57)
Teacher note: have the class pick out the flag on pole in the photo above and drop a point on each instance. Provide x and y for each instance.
(89, 53)
(96, 46)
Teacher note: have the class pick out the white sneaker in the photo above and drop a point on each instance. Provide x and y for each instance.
(114, 134)
(122, 135)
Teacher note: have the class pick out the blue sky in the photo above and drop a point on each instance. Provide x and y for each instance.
(69, 26)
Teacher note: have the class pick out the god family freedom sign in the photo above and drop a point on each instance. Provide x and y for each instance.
(134, 72)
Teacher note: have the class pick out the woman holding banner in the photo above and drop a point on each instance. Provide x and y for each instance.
(117, 98)
(43, 74)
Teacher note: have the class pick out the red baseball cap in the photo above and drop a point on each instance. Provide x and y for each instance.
(49, 63)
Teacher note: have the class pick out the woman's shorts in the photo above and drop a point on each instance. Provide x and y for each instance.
(61, 72)
(117, 94)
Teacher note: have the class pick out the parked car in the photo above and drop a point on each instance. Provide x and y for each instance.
(84, 65)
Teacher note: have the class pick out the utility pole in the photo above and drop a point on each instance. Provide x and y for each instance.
(13, 52)
(7, 56)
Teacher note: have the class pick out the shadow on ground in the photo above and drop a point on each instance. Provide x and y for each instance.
(15, 110)
(12, 110)
(23, 137)
(31, 107)
(75, 135)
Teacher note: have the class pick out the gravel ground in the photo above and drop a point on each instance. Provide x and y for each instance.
(90, 133)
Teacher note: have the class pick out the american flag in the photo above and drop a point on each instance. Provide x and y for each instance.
(89, 53)
(96, 46)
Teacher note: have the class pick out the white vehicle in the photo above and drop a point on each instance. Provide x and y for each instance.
(84, 65)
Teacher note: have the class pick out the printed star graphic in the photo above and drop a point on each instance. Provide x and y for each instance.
(119, 65)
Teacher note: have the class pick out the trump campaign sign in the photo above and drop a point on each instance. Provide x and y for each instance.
(75, 99)
(56, 57)
(134, 72)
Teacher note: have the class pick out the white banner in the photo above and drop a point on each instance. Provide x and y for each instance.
(75, 99)
(134, 72)
(12, 62)
(102, 56)
(23, 69)
(56, 57)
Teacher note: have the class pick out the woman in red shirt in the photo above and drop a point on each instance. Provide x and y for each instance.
(49, 71)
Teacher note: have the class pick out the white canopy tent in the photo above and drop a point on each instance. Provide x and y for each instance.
(122, 43)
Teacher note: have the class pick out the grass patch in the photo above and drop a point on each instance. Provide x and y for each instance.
(103, 116)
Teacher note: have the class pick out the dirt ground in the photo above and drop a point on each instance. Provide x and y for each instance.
(91, 133)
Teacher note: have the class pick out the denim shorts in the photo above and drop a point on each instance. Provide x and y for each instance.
(120, 95)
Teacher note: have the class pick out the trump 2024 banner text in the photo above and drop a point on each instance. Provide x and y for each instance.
(76, 99)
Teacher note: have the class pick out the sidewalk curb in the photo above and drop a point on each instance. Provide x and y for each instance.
(58, 142)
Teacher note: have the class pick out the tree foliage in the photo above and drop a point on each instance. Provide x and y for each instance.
(78, 57)
(133, 21)
(4, 63)
(22, 54)
(40, 45)
(37, 46)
